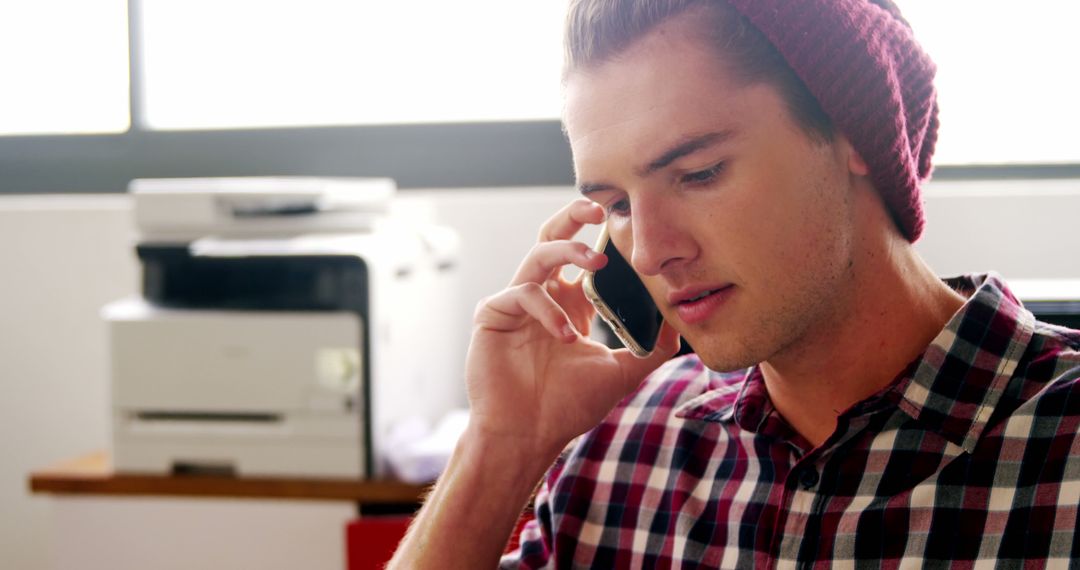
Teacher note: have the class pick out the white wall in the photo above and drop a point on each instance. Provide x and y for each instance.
(1023, 229)
(62, 257)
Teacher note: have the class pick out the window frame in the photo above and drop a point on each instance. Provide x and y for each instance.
(442, 155)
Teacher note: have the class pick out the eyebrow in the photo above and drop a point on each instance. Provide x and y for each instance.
(684, 147)
(687, 146)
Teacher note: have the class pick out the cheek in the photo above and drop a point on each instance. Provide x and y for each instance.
(822, 236)
(621, 235)
(791, 225)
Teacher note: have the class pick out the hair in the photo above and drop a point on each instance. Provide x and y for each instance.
(599, 30)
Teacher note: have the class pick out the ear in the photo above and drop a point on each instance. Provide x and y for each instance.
(855, 163)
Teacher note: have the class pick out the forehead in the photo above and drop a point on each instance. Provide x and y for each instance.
(661, 88)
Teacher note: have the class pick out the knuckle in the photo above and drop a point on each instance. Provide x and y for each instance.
(487, 308)
(559, 219)
(537, 249)
(481, 306)
(530, 288)
(549, 227)
(545, 231)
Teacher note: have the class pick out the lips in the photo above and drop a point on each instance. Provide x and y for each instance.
(694, 294)
(697, 304)
(700, 296)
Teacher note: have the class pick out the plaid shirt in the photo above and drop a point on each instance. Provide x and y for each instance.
(969, 459)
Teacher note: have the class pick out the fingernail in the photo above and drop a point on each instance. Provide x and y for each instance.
(569, 333)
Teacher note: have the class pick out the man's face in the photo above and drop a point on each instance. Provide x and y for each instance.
(740, 224)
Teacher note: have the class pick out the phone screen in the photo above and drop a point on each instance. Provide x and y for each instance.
(625, 295)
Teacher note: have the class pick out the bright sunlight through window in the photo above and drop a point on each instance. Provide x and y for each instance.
(252, 63)
(1007, 84)
(64, 66)
(1006, 80)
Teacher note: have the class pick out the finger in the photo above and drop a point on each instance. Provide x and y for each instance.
(635, 369)
(514, 307)
(547, 258)
(568, 221)
(668, 342)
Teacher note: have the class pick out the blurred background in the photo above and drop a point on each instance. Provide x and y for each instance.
(458, 102)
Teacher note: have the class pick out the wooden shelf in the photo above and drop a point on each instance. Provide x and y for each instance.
(92, 474)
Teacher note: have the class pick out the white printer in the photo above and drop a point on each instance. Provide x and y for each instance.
(285, 325)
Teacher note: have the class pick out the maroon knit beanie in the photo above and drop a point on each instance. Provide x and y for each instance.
(861, 62)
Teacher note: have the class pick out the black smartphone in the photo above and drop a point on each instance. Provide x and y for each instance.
(622, 300)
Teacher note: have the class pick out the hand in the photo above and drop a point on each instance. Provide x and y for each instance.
(533, 375)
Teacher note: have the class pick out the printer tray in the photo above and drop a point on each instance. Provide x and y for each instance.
(173, 277)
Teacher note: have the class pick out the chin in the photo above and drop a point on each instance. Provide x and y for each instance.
(724, 355)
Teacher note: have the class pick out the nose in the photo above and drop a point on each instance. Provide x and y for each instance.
(660, 241)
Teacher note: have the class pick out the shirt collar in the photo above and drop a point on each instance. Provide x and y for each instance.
(954, 386)
(951, 389)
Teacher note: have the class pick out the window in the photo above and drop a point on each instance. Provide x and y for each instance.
(252, 63)
(431, 93)
(1007, 87)
(1006, 95)
(64, 66)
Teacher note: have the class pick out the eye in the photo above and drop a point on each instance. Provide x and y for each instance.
(702, 177)
(620, 207)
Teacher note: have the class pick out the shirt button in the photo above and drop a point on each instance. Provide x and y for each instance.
(808, 478)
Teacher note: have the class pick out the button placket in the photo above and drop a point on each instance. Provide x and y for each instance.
(809, 477)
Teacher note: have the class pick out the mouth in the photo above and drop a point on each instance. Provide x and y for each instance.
(699, 296)
(690, 296)
(697, 305)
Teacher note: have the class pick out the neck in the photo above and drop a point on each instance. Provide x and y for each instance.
(892, 310)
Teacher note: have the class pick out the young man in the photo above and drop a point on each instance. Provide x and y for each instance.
(758, 162)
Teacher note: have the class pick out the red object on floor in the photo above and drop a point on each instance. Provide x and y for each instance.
(370, 541)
